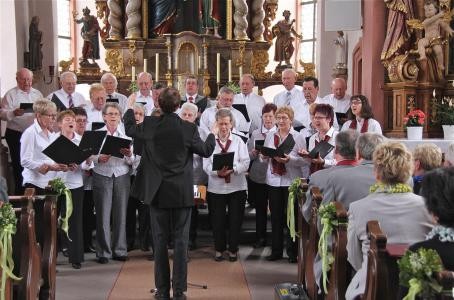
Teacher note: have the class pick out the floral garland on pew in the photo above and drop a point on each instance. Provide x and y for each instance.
(327, 214)
(294, 192)
(417, 270)
(390, 189)
(60, 188)
(8, 223)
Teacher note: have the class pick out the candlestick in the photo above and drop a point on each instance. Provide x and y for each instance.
(218, 67)
(230, 70)
(240, 71)
(145, 64)
(133, 73)
(156, 72)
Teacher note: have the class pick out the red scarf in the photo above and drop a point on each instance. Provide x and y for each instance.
(316, 166)
(354, 125)
(347, 162)
(277, 167)
(224, 150)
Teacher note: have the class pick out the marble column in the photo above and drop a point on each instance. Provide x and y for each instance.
(257, 20)
(133, 13)
(240, 20)
(115, 20)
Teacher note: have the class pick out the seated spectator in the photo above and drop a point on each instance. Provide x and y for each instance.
(437, 188)
(426, 157)
(402, 215)
(449, 156)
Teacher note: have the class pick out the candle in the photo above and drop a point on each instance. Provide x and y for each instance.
(218, 67)
(434, 94)
(200, 63)
(240, 70)
(156, 72)
(230, 70)
(145, 64)
(133, 73)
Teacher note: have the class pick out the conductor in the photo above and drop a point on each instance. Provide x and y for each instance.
(164, 181)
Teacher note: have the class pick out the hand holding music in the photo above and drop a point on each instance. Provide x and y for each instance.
(224, 172)
(303, 153)
(282, 160)
(18, 112)
(103, 158)
(126, 152)
(43, 169)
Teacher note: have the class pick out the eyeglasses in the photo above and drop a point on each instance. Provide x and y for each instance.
(356, 102)
(112, 114)
(50, 115)
(81, 121)
(319, 118)
(282, 118)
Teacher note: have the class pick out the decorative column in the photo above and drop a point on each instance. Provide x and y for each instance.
(115, 16)
(257, 20)
(101, 8)
(168, 75)
(133, 13)
(228, 17)
(206, 75)
(240, 20)
(270, 7)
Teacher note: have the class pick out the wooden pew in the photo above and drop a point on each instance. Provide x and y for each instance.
(25, 247)
(8, 284)
(446, 280)
(303, 230)
(338, 279)
(311, 247)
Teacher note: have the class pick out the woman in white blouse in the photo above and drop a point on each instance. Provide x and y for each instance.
(257, 188)
(361, 117)
(227, 188)
(73, 179)
(111, 183)
(281, 171)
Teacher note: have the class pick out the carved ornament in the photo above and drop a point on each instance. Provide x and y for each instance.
(259, 62)
(114, 59)
(403, 68)
(132, 60)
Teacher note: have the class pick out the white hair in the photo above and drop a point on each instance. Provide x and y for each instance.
(107, 76)
(189, 106)
(66, 74)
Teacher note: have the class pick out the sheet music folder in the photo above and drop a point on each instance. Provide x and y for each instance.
(341, 118)
(258, 144)
(322, 148)
(242, 108)
(92, 141)
(97, 125)
(63, 151)
(58, 103)
(27, 107)
(113, 144)
(284, 148)
(112, 100)
(221, 160)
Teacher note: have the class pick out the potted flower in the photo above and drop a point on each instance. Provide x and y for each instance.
(414, 122)
(444, 115)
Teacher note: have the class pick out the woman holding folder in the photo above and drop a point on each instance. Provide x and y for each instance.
(361, 117)
(73, 179)
(283, 167)
(257, 188)
(111, 183)
(227, 186)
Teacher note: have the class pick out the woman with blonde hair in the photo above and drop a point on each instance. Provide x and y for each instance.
(402, 215)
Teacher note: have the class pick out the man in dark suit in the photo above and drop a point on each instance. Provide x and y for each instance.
(164, 180)
(191, 87)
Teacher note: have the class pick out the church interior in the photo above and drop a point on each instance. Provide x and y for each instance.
(361, 198)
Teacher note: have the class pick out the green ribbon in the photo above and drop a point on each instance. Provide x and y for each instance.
(414, 289)
(6, 256)
(69, 211)
(293, 193)
(326, 256)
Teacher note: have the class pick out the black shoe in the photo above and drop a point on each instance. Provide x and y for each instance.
(179, 296)
(120, 258)
(90, 249)
(161, 296)
(218, 256)
(233, 257)
(260, 243)
(76, 266)
(292, 259)
(103, 260)
(273, 257)
(151, 257)
(65, 252)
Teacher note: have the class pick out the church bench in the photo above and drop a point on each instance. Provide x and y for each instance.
(446, 280)
(26, 251)
(311, 247)
(303, 230)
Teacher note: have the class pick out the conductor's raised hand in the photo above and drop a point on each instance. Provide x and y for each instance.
(132, 100)
(126, 152)
(215, 128)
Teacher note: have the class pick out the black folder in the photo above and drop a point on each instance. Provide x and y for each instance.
(63, 151)
(58, 103)
(284, 148)
(258, 144)
(299, 128)
(243, 137)
(27, 107)
(92, 141)
(97, 125)
(341, 118)
(113, 144)
(143, 103)
(112, 100)
(242, 108)
(221, 160)
(322, 148)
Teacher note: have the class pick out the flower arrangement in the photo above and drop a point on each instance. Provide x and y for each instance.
(416, 271)
(294, 193)
(234, 87)
(415, 118)
(58, 186)
(444, 111)
(327, 214)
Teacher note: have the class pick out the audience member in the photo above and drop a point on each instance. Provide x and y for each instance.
(426, 157)
(449, 156)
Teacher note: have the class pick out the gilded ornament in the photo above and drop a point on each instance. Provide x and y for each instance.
(132, 60)
(65, 64)
(114, 59)
(259, 62)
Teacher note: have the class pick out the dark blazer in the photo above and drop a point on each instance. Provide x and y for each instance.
(165, 174)
(200, 101)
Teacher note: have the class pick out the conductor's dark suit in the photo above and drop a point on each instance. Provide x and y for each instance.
(165, 180)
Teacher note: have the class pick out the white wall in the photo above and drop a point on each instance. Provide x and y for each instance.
(8, 53)
(352, 38)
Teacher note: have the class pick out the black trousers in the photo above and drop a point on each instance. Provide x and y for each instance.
(89, 218)
(167, 223)
(75, 232)
(259, 193)
(235, 203)
(144, 222)
(278, 197)
(194, 223)
(12, 138)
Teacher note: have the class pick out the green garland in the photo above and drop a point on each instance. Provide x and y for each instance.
(60, 188)
(8, 223)
(390, 188)
(416, 270)
(133, 87)
(293, 193)
(327, 214)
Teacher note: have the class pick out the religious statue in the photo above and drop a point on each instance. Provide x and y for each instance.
(283, 31)
(340, 50)
(162, 16)
(398, 34)
(89, 32)
(211, 17)
(435, 21)
(35, 58)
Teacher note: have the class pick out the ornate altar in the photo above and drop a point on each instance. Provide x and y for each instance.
(176, 47)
